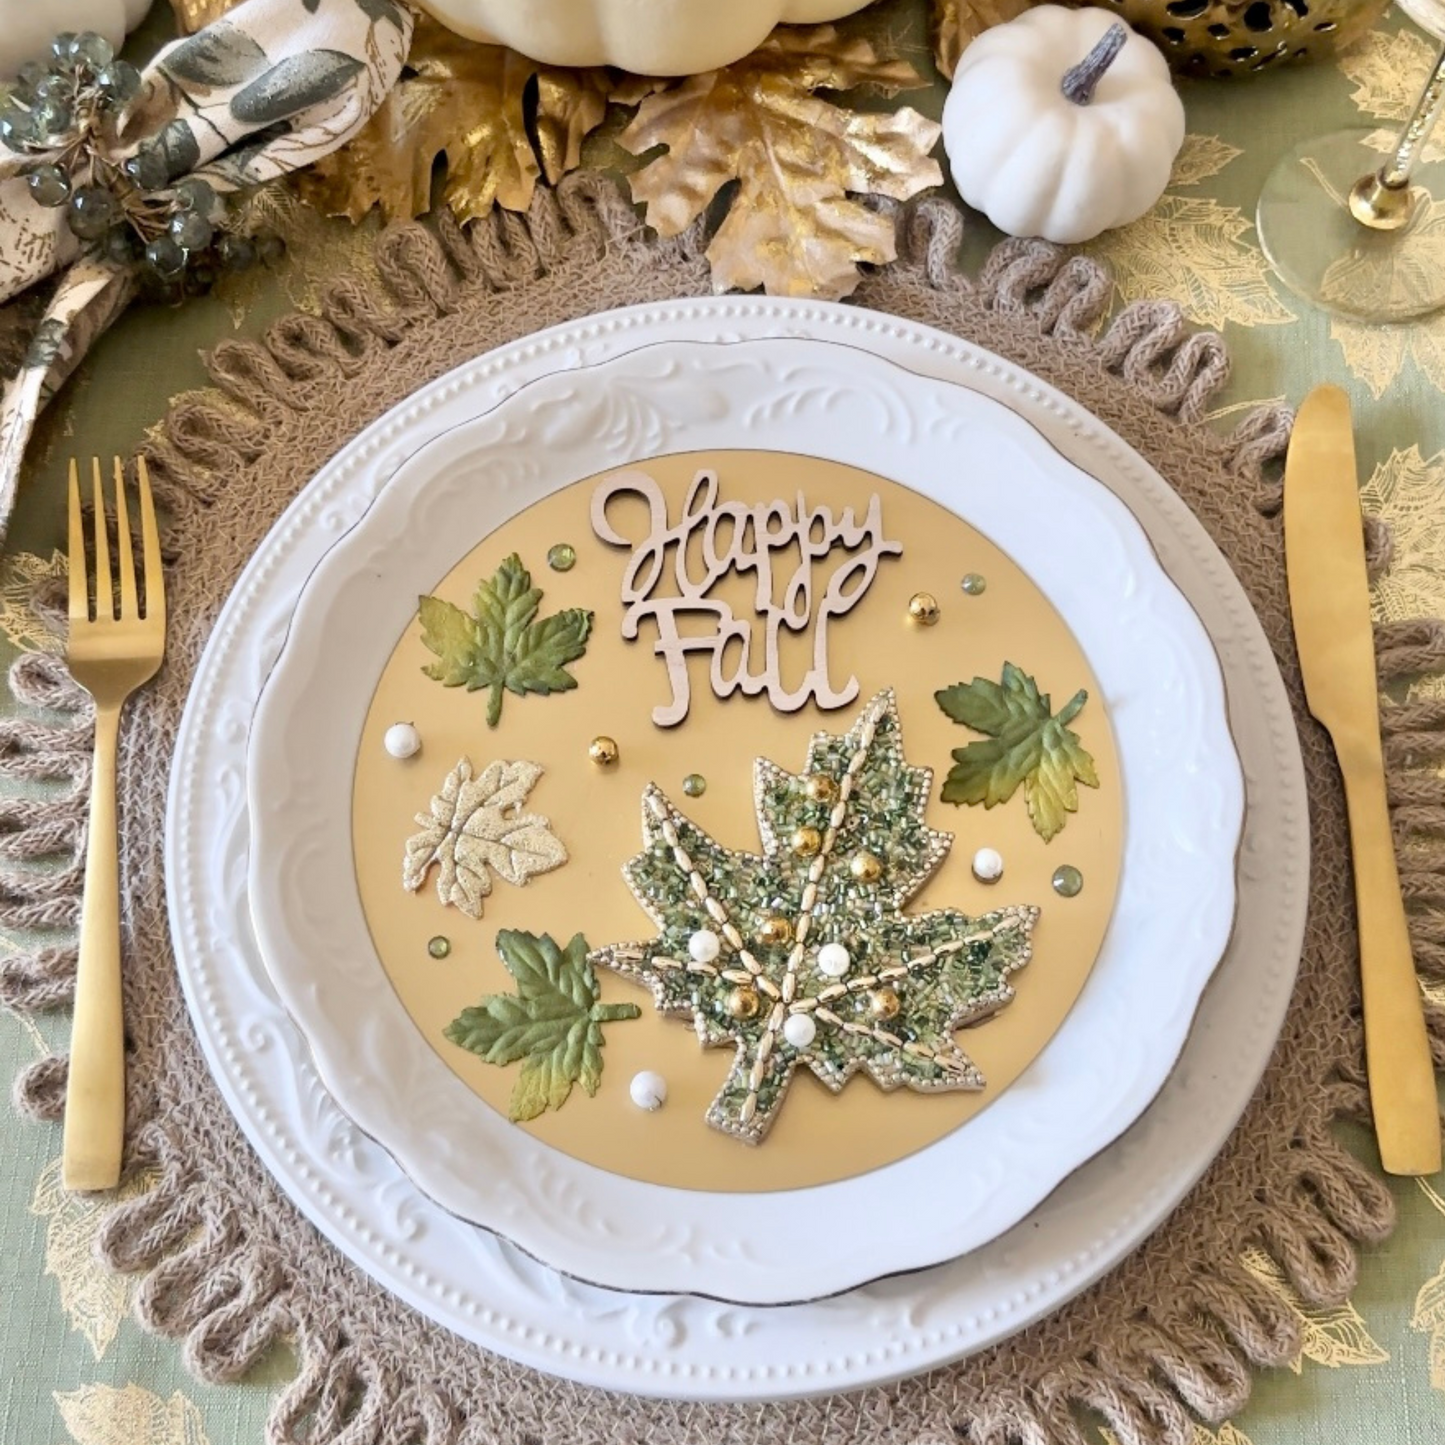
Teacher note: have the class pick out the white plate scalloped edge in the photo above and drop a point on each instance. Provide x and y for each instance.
(1159, 680)
(490, 1292)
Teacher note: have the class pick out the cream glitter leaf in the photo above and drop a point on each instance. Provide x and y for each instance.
(1200, 157)
(476, 828)
(1387, 71)
(95, 1299)
(19, 574)
(1328, 1336)
(792, 227)
(101, 1415)
(1190, 248)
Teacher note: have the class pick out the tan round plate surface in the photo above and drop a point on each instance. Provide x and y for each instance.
(596, 812)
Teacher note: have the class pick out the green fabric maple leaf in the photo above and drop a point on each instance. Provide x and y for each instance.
(909, 980)
(501, 645)
(553, 1023)
(1027, 743)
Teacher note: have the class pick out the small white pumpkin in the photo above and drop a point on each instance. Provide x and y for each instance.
(28, 26)
(1062, 124)
(647, 37)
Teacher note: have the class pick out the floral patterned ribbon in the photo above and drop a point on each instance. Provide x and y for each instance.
(270, 88)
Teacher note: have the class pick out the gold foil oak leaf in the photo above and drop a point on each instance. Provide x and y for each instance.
(476, 105)
(958, 23)
(793, 227)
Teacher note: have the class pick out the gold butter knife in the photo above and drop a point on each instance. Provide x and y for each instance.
(1329, 597)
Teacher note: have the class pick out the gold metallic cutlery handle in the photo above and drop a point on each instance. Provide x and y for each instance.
(1397, 1048)
(95, 1092)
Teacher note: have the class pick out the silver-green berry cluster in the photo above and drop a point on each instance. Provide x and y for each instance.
(142, 211)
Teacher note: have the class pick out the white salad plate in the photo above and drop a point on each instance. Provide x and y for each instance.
(1160, 684)
(487, 1289)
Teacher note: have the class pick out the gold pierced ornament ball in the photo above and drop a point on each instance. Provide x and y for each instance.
(923, 609)
(603, 752)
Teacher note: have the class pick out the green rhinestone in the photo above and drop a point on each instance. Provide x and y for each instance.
(694, 785)
(439, 947)
(1067, 881)
(562, 557)
(974, 583)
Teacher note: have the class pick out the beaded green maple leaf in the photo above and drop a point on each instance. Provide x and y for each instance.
(803, 955)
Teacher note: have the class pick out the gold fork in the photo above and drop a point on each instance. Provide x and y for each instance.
(112, 651)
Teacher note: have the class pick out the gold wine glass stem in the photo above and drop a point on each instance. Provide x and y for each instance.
(1384, 200)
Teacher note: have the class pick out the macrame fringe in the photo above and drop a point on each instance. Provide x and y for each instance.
(229, 1302)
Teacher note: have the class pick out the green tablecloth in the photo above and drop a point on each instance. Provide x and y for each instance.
(73, 1364)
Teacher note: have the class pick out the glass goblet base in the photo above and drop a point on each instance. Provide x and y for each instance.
(1321, 252)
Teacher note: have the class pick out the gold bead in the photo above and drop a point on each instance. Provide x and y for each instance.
(742, 1003)
(603, 752)
(865, 867)
(805, 842)
(923, 609)
(883, 1003)
(820, 788)
(776, 932)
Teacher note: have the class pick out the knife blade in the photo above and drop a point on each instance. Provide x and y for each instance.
(1330, 602)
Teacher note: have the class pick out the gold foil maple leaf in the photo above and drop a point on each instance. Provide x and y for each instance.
(958, 23)
(792, 227)
(472, 104)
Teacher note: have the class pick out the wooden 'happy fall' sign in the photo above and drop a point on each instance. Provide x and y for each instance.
(734, 538)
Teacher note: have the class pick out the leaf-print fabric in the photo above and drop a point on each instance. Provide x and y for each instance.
(271, 88)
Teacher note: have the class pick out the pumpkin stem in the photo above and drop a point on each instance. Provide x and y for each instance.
(1080, 80)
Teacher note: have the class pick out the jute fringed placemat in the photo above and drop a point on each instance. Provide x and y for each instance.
(229, 1266)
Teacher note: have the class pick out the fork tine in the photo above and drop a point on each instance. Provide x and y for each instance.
(125, 558)
(79, 586)
(104, 598)
(155, 583)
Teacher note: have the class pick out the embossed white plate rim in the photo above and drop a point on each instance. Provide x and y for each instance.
(1159, 681)
(497, 1297)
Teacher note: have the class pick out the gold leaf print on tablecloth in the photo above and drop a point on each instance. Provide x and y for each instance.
(1200, 157)
(100, 1415)
(94, 1298)
(1190, 248)
(1429, 1315)
(1387, 71)
(1377, 354)
(1407, 491)
(1333, 1336)
(18, 576)
(1227, 1434)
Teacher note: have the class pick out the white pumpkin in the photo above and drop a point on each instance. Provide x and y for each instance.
(647, 37)
(1062, 124)
(28, 26)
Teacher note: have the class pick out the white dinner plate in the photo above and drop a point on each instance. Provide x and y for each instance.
(493, 1293)
(1160, 685)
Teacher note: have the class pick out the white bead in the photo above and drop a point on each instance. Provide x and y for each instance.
(800, 1030)
(988, 865)
(402, 740)
(704, 946)
(833, 960)
(648, 1090)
